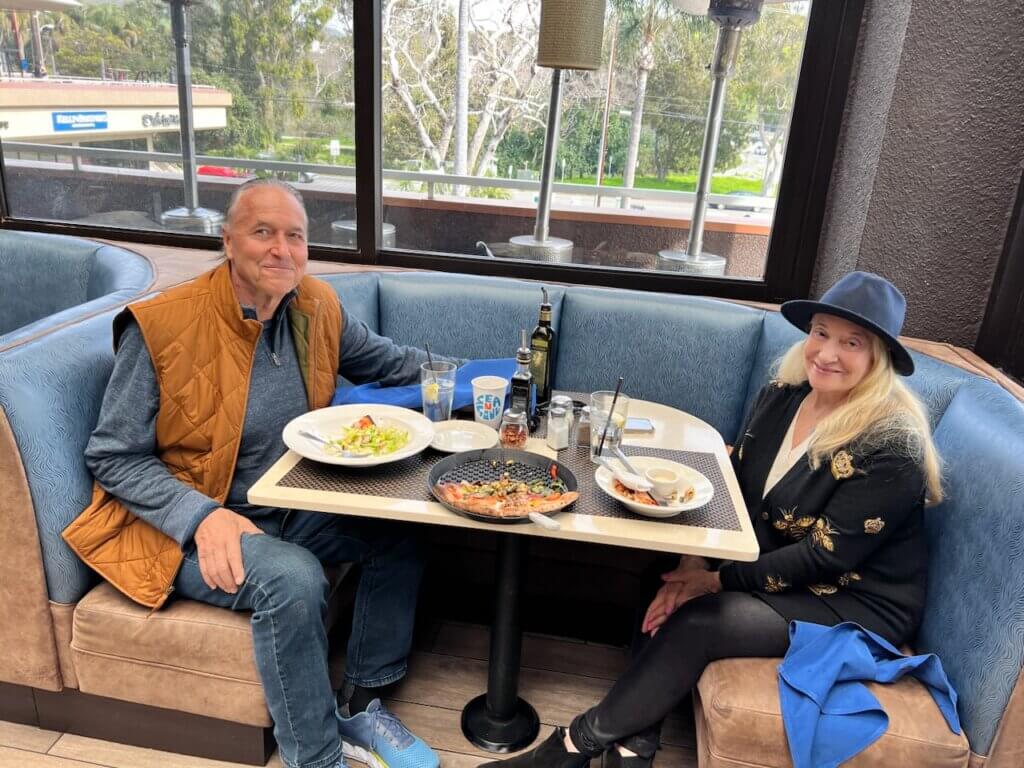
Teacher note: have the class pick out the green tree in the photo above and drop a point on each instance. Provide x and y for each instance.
(265, 45)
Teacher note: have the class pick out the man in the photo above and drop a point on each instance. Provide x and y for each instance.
(205, 378)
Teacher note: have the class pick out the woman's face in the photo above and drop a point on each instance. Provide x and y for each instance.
(838, 354)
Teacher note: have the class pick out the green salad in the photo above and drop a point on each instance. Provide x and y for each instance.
(367, 437)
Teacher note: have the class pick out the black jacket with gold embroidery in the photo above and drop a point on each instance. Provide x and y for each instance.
(843, 542)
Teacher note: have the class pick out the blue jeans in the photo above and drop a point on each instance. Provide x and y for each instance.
(286, 590)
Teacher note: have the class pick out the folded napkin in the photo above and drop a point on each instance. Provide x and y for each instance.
(408, 396)
(828, 713)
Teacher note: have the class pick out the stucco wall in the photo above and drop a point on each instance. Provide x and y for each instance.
(930, 158)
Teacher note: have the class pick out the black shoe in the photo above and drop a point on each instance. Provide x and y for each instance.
(550, 754)
(612, 759)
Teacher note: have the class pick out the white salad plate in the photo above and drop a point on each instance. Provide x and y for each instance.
(331, 423)
(457, 435)
(688, 476)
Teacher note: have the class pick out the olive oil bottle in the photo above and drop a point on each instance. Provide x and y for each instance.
(542, 352)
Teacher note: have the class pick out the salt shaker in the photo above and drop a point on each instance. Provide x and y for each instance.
(581, 435)
(559, 422)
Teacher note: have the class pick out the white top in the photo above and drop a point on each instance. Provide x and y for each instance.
(788, 454)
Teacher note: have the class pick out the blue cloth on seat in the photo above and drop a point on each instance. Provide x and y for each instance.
(408, 396)
(828, 712)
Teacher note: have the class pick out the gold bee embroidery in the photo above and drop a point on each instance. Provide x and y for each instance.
(793, 526)
(775, 584)
(822, 533)
(842, 466)
(822, 589)
(846, 578)
(874, 525)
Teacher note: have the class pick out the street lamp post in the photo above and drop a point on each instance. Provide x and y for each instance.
(191, 217)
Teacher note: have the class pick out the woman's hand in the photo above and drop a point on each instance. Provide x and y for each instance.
(681, 585)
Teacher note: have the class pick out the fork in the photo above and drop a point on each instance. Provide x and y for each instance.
(309, 435)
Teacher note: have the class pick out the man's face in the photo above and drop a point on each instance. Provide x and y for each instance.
(266, 244)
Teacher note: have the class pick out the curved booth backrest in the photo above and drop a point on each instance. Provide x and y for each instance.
(974, 616)
(461, 315)
(50, 280)
(51, 389)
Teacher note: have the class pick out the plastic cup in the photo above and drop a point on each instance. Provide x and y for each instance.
(437, 389)
(489, 399)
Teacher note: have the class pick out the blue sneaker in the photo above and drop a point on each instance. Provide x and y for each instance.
(378, 739)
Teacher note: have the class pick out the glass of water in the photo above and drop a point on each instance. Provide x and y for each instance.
(601, 415)
(437, 388)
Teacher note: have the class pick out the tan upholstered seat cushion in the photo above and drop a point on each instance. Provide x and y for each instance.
(739, 722)
(188, 656)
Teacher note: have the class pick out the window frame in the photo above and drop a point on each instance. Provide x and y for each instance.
(815, 130)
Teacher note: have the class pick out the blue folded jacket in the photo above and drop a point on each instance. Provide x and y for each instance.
(408, 396)
(828, 712)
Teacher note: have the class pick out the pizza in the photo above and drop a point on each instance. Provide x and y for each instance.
(507, 497)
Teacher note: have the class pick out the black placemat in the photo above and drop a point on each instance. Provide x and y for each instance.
(407, 479)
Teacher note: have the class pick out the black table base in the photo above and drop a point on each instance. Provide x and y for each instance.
(500, 721)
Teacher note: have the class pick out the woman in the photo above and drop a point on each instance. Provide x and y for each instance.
(835, 464)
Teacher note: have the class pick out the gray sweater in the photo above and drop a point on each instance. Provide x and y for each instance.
(121, 451)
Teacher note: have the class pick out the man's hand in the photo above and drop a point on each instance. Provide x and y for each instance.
(219, 545)
(681, 585)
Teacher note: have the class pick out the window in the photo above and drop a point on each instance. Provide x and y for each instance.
(310, 91)
(97, 140)
(638, 121)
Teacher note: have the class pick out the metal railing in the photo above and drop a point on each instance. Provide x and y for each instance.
(434, 183)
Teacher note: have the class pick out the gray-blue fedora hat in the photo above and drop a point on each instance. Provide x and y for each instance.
(866, 299)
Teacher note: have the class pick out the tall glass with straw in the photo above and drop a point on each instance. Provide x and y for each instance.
(437, 388)
(608, 411)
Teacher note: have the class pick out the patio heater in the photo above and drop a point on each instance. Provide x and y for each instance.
(571, 33)
(190, 217)
(732, 17)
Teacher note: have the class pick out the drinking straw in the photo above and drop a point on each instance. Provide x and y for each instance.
(430, 359)
(608, 421)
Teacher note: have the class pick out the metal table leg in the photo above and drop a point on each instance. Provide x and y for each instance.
(500, 721)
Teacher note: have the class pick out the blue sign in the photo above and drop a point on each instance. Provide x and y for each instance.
(79, 121)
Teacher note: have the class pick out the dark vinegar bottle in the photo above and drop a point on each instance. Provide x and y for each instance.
(542, 352)
(523, 397)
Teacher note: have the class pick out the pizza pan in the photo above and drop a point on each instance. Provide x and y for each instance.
(487, 465)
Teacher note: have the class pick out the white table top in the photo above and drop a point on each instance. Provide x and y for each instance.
(673, 429)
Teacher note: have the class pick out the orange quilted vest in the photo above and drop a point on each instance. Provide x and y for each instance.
(202, 349)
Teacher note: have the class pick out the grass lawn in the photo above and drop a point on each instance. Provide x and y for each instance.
(722, 185)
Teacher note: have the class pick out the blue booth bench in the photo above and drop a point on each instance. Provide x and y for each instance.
(51, 280)
(69, 639)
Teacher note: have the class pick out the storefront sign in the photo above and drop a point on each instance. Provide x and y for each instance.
(79, 121)
(159, 120)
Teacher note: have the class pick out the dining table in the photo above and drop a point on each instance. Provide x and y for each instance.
(499, 720)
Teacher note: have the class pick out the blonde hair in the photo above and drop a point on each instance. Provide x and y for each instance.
(880, 411)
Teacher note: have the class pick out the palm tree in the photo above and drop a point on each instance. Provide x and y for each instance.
(641, 22)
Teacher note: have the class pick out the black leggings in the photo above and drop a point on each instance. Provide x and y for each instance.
(668, 666)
